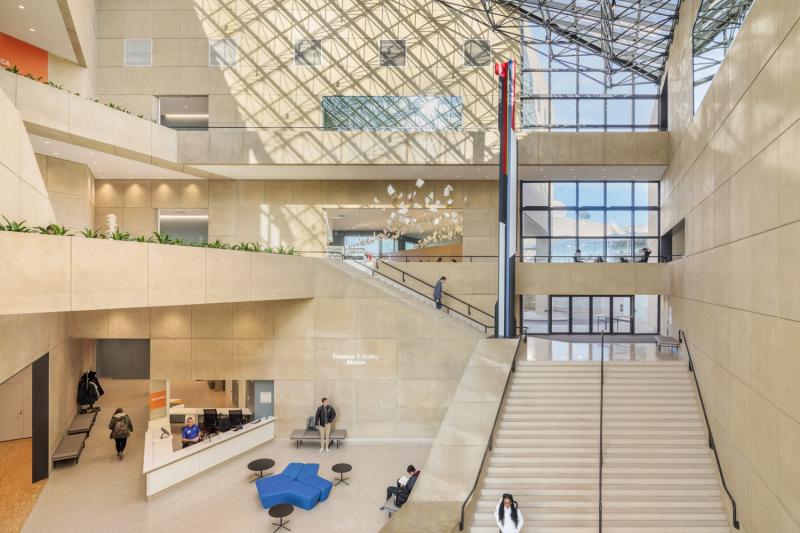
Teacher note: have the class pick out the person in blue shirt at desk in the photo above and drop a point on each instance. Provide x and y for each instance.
(190, 433)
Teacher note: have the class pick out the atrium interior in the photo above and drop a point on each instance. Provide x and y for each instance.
(400, 266)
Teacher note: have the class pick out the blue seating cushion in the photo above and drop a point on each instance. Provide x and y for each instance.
(293, 492)
(298, 484)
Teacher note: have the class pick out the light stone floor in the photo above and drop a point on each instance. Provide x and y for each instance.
(102, 493)
(540, 349)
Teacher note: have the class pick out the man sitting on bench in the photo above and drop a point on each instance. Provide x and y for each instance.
(404, 485)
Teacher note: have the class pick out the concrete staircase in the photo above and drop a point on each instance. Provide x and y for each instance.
(658, 474)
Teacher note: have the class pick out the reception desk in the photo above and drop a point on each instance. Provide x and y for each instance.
(165, 468)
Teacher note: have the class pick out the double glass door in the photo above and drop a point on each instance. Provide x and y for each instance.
(591, 314)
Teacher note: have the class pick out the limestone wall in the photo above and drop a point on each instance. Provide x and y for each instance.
(734, 178)
(404, 392)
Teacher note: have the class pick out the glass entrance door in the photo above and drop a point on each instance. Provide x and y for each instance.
(592, 314)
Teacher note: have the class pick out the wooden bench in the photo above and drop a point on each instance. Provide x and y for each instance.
(82, 423)
(667, 342)
(304, 435)
(70, 448)
(390, 507)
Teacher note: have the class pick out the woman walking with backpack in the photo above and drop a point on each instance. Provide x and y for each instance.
(121, 428)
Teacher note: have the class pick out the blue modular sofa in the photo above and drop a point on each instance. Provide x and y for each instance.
(298, 484)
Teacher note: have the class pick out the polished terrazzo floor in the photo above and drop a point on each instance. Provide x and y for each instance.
(102, 493)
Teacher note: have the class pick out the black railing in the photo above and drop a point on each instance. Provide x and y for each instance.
(682, 339)
(615, 259)
(600, 461)
(448, 308)
(523, 338)
(439, 258)
(403, 275)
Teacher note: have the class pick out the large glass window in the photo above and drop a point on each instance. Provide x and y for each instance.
(715, 28)
(609, 221)
(392, 113)
(568, 87)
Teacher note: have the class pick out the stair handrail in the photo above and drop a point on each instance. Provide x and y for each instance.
(600, 462)
(374, 271)
(523, 338)
(448, 308)
(470, 307)
(711, 444)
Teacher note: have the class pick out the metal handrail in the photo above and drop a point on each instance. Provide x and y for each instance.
(600, 462)
(373, 271)
(613, 259)
(447, 307)
(434, 258)
(523, 338)
(470, 306)
(682, 338)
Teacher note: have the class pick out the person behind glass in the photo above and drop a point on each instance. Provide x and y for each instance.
(576, 257)
(323, 420)
(438, 289)
(508, 515)
(190, 434)
(121, 428)
(406, 481)
(645, 255)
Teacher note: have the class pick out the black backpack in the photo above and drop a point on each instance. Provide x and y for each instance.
(402, 495)
(310, 423)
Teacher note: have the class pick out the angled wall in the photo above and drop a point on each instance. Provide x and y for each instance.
(734, 179)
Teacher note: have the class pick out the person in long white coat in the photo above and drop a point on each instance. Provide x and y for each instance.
(508, 516)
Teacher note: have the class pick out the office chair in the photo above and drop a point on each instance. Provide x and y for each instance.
(236, 417)
(224, 424)
(210, 420)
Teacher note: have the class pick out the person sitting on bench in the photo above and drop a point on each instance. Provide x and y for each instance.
(404, 484)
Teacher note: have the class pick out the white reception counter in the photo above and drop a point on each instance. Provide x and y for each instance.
(165, 468)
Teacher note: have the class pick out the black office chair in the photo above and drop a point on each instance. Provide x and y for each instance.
(210, 420)
(236, 418)
(224, 424)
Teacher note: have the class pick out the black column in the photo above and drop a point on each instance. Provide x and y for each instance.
(40, 390)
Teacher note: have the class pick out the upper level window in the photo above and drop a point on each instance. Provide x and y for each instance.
(477, 53)
(138, 52)
(569, 87)
(393, 53)
(715, 28)
(308, 52)
(392, 113)
(221, 52)
(565, 221)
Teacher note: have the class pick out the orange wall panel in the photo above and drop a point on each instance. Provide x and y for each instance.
(29, 59)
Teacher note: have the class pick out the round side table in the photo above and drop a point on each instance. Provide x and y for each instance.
(342, 469)
(281, 511)
(259, 465)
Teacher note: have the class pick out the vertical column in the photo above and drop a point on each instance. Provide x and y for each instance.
(505, 322)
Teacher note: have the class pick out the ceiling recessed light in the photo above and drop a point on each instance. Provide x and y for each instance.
(55, 153)
(47, 142)
(20, 6)
(31, 29)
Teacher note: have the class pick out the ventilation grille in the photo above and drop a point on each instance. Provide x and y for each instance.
(138, 52)
(393, 53)
(221, 52)
(477, 53)
(308, 52)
